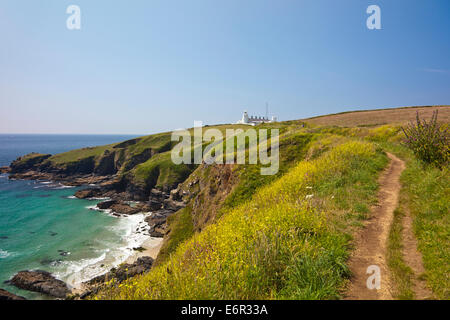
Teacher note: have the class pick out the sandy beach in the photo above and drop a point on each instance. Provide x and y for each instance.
(151, 246)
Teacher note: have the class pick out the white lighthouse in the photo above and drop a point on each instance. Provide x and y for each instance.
(244, 119)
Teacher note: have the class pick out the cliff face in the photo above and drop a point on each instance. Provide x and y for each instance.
(207, 188)
(204, 192)
(28, 162)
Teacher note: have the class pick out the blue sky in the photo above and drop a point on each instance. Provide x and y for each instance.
(148, 66)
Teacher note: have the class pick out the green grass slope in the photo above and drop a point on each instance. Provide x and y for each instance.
(288, 236)
(279, 243)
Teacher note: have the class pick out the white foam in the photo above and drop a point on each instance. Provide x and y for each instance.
(46, 184)
(71, 197)
(4, 254)
(77, 272)
(130, 226)
(60, 186)
(95, 208)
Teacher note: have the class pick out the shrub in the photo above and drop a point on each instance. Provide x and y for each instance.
(428, 140)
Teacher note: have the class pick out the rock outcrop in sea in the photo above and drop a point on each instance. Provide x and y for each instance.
(42, 282)
(118, 275)
(8, 296)
(4, 170)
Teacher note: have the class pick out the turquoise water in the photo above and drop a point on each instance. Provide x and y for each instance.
(42, 226)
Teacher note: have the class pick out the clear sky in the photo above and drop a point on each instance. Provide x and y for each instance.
(147, 66)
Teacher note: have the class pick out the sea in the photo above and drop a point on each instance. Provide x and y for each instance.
(44, 227)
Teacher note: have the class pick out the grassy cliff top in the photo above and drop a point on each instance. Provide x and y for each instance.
(380, 116)
(161, 142)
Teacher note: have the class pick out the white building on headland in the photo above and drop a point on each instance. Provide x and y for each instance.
(254, 120)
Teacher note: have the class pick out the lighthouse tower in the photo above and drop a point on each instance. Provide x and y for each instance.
(244, 117)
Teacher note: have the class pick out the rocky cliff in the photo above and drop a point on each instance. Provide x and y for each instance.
(132, 168)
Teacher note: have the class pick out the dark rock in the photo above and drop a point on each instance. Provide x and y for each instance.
(5, 170)
(137, 159)
(154, 205)
(176, 195)
(107, 164)
(40, 281)
(156, 199)
(88, 193)
(87, 293)
(79, 167)
(50, 262)
(155, 220)
(28, 162)
(87, 180)
(124, 208)
(124, 271)
(156, 233)
(31, 175)
(63, 253)
(156, 193)
(5, 295)
(173, 205)
(164, 212)
(106, 204)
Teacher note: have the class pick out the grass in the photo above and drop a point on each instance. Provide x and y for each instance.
(160, 142)
(31, 158)
(426, 196)
(160, 171)
(380, 116)
(428, 199)
(293, 148)
(76, 155)
(402, 274)
(181, 229)
(275, 245)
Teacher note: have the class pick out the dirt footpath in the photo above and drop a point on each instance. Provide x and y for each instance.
(371, 243)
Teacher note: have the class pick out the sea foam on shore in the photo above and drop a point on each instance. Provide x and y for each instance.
(131, 231)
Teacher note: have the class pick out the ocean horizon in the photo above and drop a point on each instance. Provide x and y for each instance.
(43, 226)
